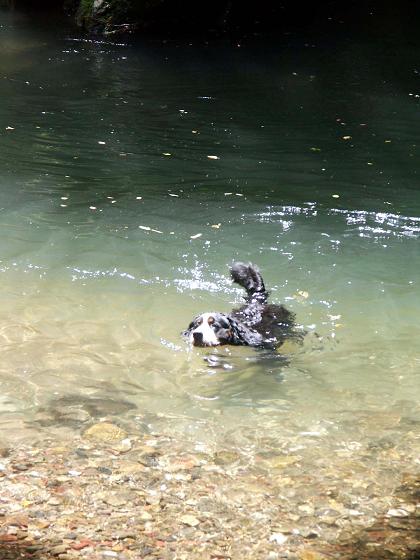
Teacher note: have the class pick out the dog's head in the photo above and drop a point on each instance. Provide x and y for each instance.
(215, 329)
(211, 329)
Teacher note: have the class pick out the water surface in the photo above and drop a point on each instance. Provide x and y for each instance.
(133, 175)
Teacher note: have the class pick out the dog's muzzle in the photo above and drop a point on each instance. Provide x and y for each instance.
(204, 337)
(197, 338)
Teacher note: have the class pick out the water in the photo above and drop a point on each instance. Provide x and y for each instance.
(133, 175)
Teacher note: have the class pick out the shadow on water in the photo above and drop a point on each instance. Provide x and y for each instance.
(76, 410)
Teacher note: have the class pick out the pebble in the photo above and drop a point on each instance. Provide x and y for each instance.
(189, 520)
(309, 533)
(280, 461)
(91, 502)
(54, 502)
(311, 555)
(306, 509)
(225, 457)
(145, 516)
(59, 549)
(21, 467)
(398, 512)
(278, 538)
(34, 547)
(123, 446)
(153, 499)
(104, 470)
(117, 500)
(105, 432)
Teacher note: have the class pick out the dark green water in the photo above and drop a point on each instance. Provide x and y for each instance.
(131, 176)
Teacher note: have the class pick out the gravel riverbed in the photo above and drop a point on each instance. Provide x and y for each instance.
(108, 493)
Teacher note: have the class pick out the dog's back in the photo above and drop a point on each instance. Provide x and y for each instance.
(273, 322)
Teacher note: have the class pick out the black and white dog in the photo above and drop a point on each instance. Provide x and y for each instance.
(256, 323)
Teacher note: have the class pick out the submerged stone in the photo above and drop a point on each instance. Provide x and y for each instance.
(190, 520)
(105, 432)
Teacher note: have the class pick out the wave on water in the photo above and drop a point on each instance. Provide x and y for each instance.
(367, 223)
(371, 224)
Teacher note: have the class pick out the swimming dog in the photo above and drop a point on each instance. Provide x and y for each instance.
(256, 323)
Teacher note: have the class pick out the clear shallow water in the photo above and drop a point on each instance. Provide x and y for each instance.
(105, 184)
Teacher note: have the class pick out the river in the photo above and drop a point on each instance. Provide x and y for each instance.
(133, 174)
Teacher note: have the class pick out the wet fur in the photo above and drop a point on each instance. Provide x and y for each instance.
(254, 324)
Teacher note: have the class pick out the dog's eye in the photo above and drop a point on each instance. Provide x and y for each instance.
(210, 320)
(196, 323)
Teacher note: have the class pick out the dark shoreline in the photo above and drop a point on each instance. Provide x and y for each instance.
(230, 19)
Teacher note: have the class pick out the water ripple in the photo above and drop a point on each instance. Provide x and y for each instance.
(385, 224)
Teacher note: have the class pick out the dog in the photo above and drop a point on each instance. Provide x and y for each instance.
(256, 323)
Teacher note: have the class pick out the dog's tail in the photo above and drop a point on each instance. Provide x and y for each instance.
(249, 277)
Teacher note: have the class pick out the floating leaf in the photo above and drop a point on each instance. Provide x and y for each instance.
(196, 235)
(303, 294)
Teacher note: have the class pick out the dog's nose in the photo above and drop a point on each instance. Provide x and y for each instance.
(198, 337)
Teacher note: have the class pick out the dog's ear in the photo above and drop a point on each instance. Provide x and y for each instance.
(191, 326)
